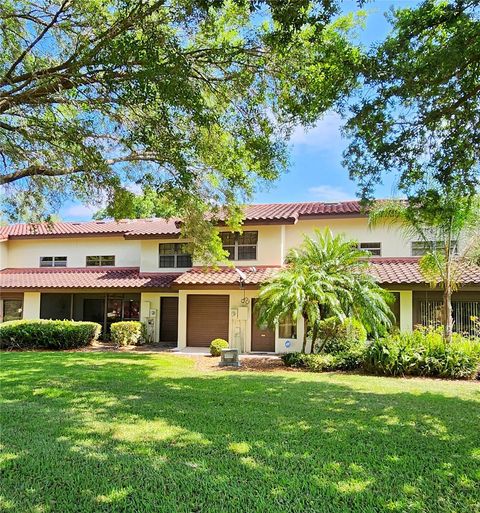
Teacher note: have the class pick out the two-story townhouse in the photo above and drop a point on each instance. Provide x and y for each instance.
(107, 271)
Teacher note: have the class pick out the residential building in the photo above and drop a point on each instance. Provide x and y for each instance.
(106, 271)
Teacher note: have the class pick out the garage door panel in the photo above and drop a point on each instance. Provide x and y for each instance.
(207, 318)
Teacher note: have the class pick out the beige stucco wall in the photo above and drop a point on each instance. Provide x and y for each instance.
(269, 250)
(27, 252)
(392, 239)
(3, 254)
(31, 305)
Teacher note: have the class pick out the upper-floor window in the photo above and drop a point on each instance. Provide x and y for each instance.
(174, 255)
(287, 327)
(421, 247)
(374, 248)
(100, 261)
(53, 261)
(240, 246)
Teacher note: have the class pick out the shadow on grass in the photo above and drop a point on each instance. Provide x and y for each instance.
(142, 433)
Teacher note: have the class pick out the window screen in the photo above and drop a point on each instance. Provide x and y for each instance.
(174, 255)
(287, 328)
(240, 246)
(374, 248)
(53, 261)
(101, 260)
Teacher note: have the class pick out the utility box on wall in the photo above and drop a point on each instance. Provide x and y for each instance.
(242, 313)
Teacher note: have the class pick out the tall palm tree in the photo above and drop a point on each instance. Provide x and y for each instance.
(327, 276)
(439, 222)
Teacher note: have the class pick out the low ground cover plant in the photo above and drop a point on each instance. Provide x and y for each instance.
(126, 333)
(47, 334)
(422, 352)
(217, 345)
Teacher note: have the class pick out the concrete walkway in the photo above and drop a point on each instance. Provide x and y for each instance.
(100, 346)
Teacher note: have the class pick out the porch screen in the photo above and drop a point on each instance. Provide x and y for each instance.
(462, 313)
(56, 306)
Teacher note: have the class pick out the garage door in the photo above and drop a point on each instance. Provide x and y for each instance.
(207, 318)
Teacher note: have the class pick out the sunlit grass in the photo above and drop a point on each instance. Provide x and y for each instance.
(149, 433)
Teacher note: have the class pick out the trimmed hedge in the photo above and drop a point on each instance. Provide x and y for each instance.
(126, 333)
(345, 360)
(217, 345)
(47, 334)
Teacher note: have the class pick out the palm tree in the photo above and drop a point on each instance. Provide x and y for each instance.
(327, 276)
(439, 222)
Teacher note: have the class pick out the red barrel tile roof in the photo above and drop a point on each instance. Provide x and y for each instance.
(226, 276)
(137, 228)
(387, 271)
(126, 277)
(407, 271)
(90, 228)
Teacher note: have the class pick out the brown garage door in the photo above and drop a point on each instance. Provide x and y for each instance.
(207, 318)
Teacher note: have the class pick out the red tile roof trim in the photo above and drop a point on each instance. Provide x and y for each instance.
(99, 278)
(226, 276)
(387, 271)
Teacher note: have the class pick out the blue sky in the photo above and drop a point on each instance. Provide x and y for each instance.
(316, 172)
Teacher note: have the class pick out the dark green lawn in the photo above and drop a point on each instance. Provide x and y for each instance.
(148, 433)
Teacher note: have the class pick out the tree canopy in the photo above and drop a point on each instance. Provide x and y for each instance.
(193, 99)
(418, 112)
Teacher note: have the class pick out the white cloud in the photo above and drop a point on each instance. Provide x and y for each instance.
(325, 135)
(330, 194)
(79, 211)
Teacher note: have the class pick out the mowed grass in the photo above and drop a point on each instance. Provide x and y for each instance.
(149, 433)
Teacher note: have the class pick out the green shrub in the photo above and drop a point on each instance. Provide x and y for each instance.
(126, 333)
(336, 336)
(217, 345)
(47, 334)
(318, 362)
(423, 352)
(293, 359)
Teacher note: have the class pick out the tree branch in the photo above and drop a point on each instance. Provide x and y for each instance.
(37, 39)
(40, 170)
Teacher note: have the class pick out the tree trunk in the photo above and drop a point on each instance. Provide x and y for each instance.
(447, 313)
(305, 331)
(447, 297)
(314, 338)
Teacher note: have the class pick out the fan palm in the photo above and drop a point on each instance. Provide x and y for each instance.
(327, 276)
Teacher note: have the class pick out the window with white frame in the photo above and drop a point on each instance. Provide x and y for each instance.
(53, 261)
(422, 247)
(174, 255)
(100, 260)
(287, 327)
(240, 246)
(374, 248)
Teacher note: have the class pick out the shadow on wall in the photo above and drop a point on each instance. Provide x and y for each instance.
(96, 432)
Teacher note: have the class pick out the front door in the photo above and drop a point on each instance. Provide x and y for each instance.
(263, 337)
(169, 319)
